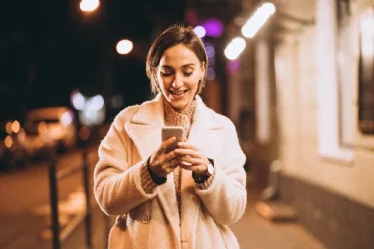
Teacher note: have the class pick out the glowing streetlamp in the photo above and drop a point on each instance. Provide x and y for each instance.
(235, 48)
(89, 5)
(258, 19)
(124, 46)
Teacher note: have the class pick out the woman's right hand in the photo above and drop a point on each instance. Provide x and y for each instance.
(161, 163)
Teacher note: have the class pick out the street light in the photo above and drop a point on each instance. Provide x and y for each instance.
(89, 5)
(258, 19)
(235, 48)
(124, 46)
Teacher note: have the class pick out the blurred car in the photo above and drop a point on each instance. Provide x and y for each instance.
(36, 142)
(12, 152)
(57, 123)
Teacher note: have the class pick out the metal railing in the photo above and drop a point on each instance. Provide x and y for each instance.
(54, 177)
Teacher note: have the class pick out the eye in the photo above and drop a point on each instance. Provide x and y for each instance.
(166, 74)
(187, 74)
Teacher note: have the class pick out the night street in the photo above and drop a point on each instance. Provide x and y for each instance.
(25, 216)
(25, 205)
(270, 103)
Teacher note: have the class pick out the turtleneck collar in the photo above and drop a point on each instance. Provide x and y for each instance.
(173, 118)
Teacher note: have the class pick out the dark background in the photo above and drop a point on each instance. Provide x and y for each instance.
(50, 48)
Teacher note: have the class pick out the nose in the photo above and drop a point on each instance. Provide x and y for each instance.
(178, 82)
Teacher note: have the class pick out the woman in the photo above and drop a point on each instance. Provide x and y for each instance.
(184, 198)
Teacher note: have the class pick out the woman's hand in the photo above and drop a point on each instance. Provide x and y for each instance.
(190, 158)
(162, 164)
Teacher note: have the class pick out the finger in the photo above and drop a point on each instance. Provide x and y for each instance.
(187, 152)
(187, 160)
(166, 144)
(186, 145)
(195, 168)
(170, 156)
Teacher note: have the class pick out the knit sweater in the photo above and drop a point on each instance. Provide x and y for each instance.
(173, 118)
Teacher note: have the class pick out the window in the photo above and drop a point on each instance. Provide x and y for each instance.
(366, 73)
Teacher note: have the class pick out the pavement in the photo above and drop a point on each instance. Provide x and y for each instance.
(28, 227)
(256, 232)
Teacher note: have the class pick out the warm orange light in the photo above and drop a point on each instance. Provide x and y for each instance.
(89, 5)
(8, 142)
(22, 134)
(42, 127)
(16, 126)
(8, 127)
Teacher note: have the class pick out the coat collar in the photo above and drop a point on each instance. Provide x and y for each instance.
(144, 129)
(150, 113)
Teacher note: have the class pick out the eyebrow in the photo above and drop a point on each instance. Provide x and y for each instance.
(186, 65)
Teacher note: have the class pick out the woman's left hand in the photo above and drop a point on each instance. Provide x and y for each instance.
(190, 158)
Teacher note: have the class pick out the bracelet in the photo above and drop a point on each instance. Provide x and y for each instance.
(156, 179)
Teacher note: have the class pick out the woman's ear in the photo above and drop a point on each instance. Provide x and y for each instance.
(202, 70)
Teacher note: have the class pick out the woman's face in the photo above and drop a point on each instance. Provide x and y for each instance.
(178, 76)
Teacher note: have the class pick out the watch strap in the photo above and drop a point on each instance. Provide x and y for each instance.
(201, 178)
(156, 179)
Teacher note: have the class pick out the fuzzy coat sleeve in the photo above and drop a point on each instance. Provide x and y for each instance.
(226, 197)
(117, 184)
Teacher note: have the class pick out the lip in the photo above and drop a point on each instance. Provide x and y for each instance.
(179, 96)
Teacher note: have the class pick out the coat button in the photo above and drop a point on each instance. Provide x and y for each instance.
(145, 219)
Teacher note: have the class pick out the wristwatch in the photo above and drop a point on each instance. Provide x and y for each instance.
(200, 178)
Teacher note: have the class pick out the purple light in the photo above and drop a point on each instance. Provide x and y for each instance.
(233, 66)
(213, 27)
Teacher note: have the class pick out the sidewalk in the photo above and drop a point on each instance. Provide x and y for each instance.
(255, 232)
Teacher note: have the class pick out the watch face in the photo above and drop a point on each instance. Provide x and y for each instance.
(210, 168)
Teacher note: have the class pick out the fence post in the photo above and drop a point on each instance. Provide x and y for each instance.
(88, 200)
(53, 193)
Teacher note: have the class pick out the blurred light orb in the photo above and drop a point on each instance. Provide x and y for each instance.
(235, 48)
(96, 103)
(211, 74)
(77, 100)
(66, 118)
(213, 27)
(89, 5)
(42, 127)
(200, 31)
(22, 134)
(16, 126)
(258, 19)
(210, 51)
(8, 142)
(124, 46)
(8, 127)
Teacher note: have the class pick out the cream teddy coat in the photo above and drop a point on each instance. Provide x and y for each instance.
(152, 220)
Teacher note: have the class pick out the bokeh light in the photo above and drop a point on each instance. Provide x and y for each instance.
(213, 27)
(234, 49)
(124, 46)
(200, 31)
(89, 5)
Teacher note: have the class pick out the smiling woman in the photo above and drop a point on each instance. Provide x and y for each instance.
(162, 193)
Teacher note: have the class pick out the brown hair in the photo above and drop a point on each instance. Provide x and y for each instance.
(174, 35)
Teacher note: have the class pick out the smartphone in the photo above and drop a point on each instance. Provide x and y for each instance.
(172, 131)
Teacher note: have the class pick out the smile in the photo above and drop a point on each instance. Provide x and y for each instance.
(178, 93)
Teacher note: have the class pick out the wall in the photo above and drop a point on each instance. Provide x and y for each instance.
(298, 69)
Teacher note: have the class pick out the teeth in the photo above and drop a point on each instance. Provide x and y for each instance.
(178, 93)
